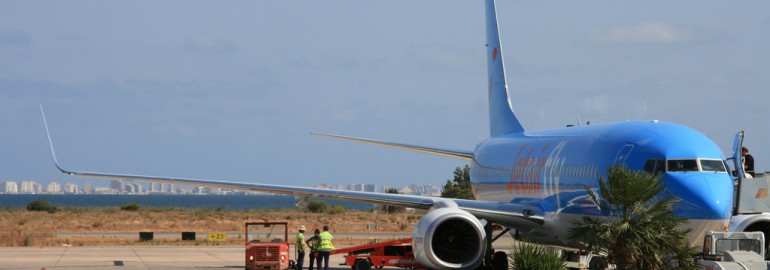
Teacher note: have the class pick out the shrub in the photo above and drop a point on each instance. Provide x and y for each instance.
(41, 205)
(529, 256)
(317, 206)
(130, 207)
(337, 209)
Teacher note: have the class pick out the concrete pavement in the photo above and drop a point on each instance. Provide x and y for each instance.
(143, 257)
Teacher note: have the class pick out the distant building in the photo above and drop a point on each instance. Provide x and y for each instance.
(10, 187)
(356, 187)
(87, 188)
(362, 187)
(30, 187)
(424, 190)
(104, 190)
(118, 185)
(138, 187)
(71, 188)
(53, 187)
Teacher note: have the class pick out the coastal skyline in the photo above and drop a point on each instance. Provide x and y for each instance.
(133, 187)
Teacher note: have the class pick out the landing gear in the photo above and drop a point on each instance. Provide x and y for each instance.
(500, 261)
(493, 260)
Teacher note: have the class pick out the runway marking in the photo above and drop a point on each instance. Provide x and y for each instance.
(140, 259)
(61, 256)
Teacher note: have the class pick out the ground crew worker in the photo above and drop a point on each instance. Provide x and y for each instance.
(313, 244)
(324, 248)
(301, 247)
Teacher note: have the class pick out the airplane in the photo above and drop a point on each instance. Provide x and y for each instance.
(532, 182)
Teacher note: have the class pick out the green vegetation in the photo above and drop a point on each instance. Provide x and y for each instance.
(527, 256)
(322, 207)
(337, 209)
(130, 207)
(642, 231)
(460, 186)
(42, 205)
(317, 206)
(392, 209)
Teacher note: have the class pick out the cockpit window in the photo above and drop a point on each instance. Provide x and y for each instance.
(655, 166)
(712, 165)
(683, 165)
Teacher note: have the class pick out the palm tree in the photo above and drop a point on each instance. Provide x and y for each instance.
(641, 231)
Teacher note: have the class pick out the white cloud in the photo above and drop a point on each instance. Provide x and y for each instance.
(645, 32)
(207, 44)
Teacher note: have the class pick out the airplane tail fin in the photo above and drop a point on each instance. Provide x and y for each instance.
(502, 120)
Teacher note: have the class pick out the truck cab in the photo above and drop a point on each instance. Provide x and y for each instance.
(267, 246)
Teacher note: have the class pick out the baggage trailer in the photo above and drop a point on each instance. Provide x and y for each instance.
(734, 250)
(396, 253)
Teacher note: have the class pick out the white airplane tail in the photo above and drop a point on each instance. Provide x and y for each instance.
(502, 120)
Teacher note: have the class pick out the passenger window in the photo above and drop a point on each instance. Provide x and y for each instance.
(711, 165)
(683, 165)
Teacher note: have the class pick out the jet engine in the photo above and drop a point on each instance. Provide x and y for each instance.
(449, 238)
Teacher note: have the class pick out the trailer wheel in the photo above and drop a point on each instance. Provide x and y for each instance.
(362, 264)
(500, 261)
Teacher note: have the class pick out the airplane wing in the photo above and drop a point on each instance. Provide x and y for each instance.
(510, 214)
(464, 155)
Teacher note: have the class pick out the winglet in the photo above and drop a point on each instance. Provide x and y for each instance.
(50, 144)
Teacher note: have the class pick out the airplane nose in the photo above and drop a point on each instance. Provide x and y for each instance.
(703, 195)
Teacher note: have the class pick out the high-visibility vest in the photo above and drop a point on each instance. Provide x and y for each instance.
(301, 243)
(326, 242)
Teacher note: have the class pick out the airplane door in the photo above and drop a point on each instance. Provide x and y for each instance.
(622, 156)
(737, 155)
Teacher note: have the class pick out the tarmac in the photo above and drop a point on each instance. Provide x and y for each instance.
(141, 257)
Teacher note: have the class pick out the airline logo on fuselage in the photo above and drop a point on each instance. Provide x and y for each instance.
(537, 170)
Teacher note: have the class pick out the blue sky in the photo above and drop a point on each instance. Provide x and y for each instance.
(230, 90)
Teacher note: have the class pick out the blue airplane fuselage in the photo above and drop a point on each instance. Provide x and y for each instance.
(552, 169)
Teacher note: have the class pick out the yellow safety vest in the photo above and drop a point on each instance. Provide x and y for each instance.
(301, 243)
(326, 242)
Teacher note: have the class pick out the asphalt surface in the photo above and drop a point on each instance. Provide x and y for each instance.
(143, 257)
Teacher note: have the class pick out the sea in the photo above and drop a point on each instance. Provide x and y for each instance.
(227, 202)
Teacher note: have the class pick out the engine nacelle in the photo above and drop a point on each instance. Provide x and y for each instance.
(449, 238)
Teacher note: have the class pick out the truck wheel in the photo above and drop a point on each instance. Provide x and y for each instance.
(500, 261)
(362, 264)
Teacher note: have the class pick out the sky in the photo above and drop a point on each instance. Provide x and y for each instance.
(231, 90)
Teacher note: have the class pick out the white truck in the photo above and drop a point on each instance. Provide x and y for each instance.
(734, 250)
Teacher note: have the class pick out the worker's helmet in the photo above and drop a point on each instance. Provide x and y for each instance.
(301, 227)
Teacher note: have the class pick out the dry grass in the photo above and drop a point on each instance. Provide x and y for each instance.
(19, 227)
